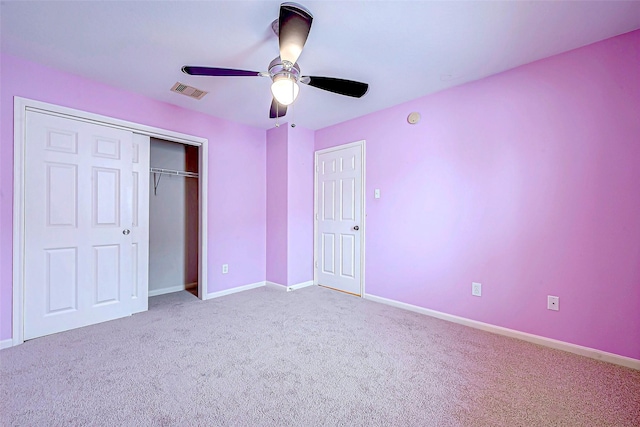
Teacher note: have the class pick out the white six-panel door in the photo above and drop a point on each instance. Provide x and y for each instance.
(339, 218)
(78, 217)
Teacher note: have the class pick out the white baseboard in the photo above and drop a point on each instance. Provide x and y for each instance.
(279, 287)
(219, 294)
(172, 289)
(299, 285)
(156, 292)
(276, 286)
(6, 343)
(536, 339)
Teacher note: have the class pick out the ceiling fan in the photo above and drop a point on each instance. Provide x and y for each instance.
(292, 29)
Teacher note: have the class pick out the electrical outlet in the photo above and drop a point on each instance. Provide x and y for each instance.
(476, 289)
(225, 268)
(553, 303)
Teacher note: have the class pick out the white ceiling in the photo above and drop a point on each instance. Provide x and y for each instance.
(403, 49)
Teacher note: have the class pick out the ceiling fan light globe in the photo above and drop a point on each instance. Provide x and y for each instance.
(284, 89)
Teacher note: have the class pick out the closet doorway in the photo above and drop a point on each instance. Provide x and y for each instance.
(173, 218)
(61, 214)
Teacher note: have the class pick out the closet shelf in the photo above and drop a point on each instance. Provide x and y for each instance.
(174, 172)
(158, 172)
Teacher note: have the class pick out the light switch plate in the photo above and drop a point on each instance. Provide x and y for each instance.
(376, 193)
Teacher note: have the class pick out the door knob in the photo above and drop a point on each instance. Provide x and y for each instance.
(356, 228)
(126, 232)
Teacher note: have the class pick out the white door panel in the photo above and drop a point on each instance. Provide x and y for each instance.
(339, 220)
(140, 223)
(61, 280)
(78, 190)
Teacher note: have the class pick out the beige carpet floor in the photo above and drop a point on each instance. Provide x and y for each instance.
(312, 357)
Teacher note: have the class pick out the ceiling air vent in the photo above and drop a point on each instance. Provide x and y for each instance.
(189, 91)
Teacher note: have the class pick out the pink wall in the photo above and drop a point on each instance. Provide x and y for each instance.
(527, 182)
(237, 162)
(277, 140)
(300, 209)
(289, 205)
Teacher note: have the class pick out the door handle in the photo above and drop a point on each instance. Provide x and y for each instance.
(356, 228)
(126, 232)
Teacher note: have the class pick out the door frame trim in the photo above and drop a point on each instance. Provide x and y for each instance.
(20, 108)
(363, 145)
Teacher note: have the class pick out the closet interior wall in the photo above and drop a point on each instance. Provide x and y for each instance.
(173, 219)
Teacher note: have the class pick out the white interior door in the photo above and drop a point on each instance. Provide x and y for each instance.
(78, 216)
(339, 224)
(140, 223)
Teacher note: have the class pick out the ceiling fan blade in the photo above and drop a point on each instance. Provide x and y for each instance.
(340, 86)
(212, 71)
(277, 110)
(294, 25)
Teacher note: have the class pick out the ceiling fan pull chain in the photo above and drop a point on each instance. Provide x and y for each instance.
(293, 108)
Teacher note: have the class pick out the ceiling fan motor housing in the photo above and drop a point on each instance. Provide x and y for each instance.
(278, 69)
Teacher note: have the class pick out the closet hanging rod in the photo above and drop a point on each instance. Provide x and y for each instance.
(174, 172)
(158, 172)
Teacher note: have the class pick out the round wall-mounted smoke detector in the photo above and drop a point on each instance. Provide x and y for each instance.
(413, 118)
